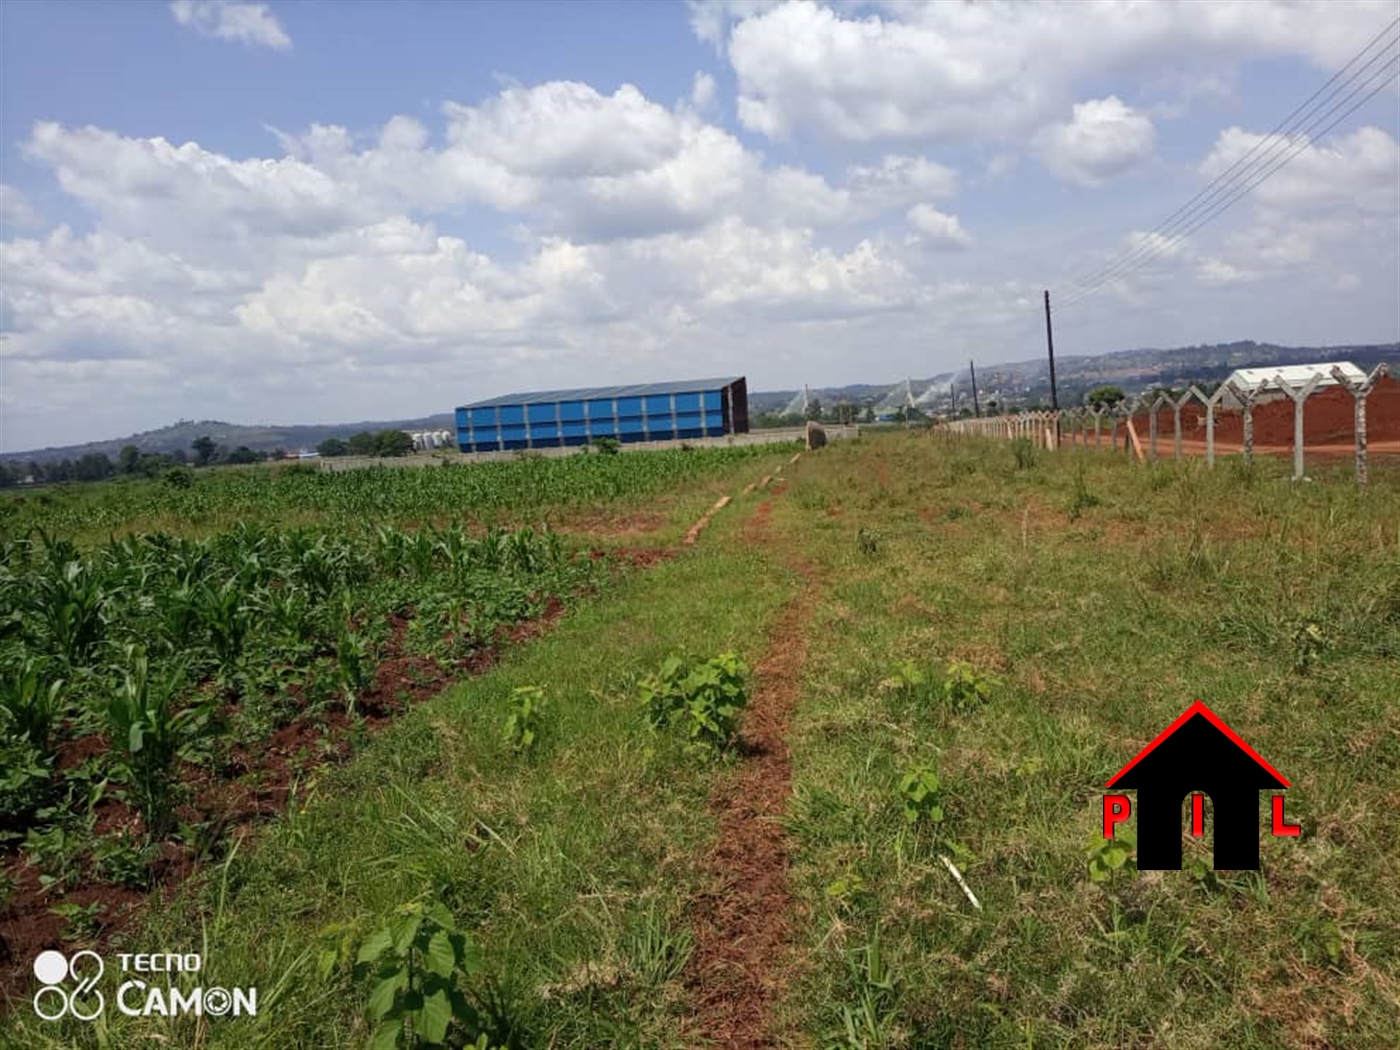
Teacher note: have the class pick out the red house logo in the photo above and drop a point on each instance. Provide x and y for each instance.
(1197, 755)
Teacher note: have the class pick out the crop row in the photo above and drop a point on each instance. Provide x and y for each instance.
(130, 671)
(520, 485)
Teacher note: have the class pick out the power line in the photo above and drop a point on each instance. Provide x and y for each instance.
(1240, 178)
(1163, 246)
(1181, 214)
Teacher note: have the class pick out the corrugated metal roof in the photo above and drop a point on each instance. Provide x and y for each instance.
(537, 397)
(1295, 375)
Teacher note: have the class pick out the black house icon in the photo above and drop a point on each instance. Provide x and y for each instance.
(1198, 752)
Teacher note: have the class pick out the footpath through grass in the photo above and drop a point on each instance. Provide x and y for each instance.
(1085, 603)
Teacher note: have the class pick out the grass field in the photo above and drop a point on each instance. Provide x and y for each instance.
(951, 650)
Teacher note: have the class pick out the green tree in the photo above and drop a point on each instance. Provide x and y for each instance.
(128, 458)
(204, 448)
(363, 444)
(1104, 396)
(332, 447)
(814, 408)
(93, 467)
(393, 443)
(243, 454)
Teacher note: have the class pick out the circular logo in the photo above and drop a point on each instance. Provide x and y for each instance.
(52, 968)
(217, 1002)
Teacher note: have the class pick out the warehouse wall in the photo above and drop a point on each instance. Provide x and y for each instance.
(655, 417)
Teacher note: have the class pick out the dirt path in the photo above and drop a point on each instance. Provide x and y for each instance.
(739, 971)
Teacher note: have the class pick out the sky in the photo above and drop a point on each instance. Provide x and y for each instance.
(269, 212)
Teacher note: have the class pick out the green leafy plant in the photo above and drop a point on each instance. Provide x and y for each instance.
(921, 797)
(148, 734)
(353, 658)
(870, 1022)
(1111, 860)
(420, 962)
(525, 721)
(29, 705)
(964, 689)
(707, 695)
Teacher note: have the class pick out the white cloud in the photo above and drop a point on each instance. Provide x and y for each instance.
(898, 181)
(702, 93)
(248, 23)
(993, 71)
(1219, 272)
(16, 213)
(938, 229)
(1104, 138)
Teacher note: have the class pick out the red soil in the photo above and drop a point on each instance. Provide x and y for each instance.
(739, 970)
(1328, 419)
(250, 788)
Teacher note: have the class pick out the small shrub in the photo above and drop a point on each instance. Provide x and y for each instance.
(1024, 451)
(964, 689)
(420, 962)
(707, 695)
(525, 720)
(921, 796)
(607, 446)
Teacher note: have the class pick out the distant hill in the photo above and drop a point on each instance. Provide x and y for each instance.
(1014, 383)
(179, 435)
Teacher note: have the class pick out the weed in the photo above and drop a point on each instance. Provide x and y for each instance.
(1082, 499)
(29, 705)
(1110, 860)
(420, 962)
(964, 689)
(526, 718)
(707, 695)
(921, 796)
(867, 542)
(1024, 451)
(1309, 644)
(869, 1023)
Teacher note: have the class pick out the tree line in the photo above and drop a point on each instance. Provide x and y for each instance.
(130, 462)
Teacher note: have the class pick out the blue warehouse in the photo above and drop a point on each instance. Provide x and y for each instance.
(645, 412)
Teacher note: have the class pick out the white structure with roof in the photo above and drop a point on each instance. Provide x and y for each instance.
(1296, 376)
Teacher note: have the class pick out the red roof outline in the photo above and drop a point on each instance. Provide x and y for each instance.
(1199, 708)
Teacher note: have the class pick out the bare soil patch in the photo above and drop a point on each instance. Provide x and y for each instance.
(741, 966)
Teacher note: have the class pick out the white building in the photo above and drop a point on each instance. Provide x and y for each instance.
(1296, 376)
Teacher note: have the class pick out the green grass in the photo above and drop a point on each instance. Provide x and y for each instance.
(1091, 598)
(1103, 598)
(570, 863)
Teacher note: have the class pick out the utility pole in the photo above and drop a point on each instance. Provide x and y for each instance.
(953, 394)
(1050, 345)
(976, 407)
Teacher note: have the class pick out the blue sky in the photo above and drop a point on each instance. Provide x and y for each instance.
(270, 212)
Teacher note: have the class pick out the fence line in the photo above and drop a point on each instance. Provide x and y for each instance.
(1051, 429)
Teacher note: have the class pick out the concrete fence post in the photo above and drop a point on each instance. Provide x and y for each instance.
(1162, 399)
(1359, 392)
(1299, 395)
(1211, 403)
